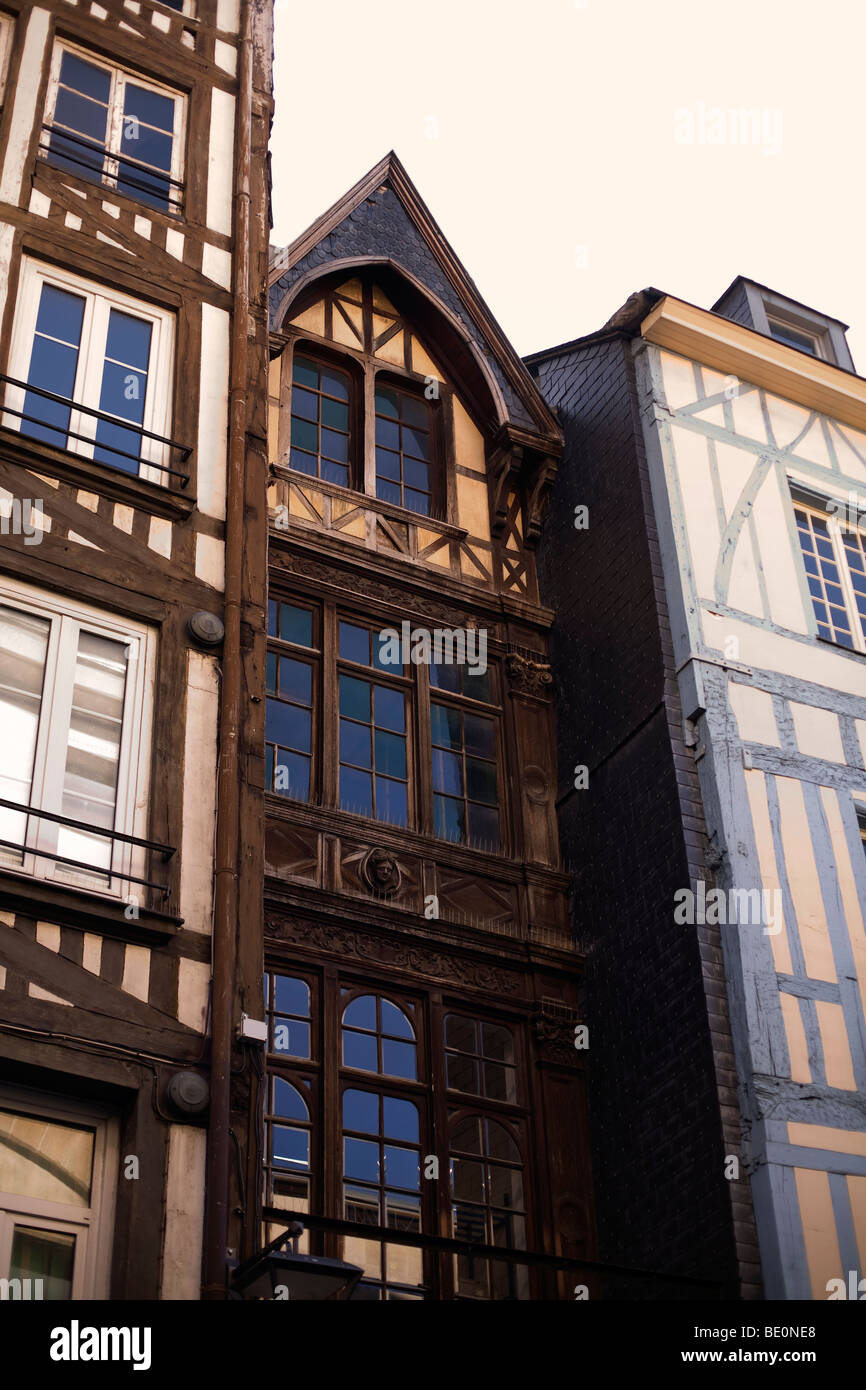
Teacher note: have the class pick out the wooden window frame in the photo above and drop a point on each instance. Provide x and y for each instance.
(99, 301)
(91, 1225)
(408, 386)
(314, 657)
(325, 356)
(120, 75)
(835, 531)
(333, 989)
(67, 619)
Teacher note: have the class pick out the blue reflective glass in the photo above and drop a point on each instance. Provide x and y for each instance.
(115, 444)
(271, 676)
(356, 791)
(416, 474)
(292, 775)
(447, 772)
(359, 1051)
(402, 1168)
(401, 1120)
(483, 826)
(449, 818)
(61, 315)
(390, 754)
(361, 1013)
(361, 1160)
(305, 403)
(361, 1111)
(388, 465)
(388, 492)
(152, 107)
(335, 383)
(305, 434)
(291, 995)
(296, 625)
(391, 801)
(86, 117)
(387, 402)
(398, 1059)
(272, 618)
(305, 372)
(337, 473)
(123, 392)
(296, 680)
(289, 1104)
(141, 184)
(416, 501)
(128, 339)
(335, 446)
(388, 434)
(416, 443)
(395, 1022)
(84, 77)
(291, 1147)
(481, 781)
(85, 160)
(355, 743)
(335, 415)
(355, 643)
(390, 709)
(355, 698)
(445, 725)
(146, 146)
(288, 725)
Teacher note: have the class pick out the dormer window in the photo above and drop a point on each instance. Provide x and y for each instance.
(320, 421)
(794, 337)
(403, 450)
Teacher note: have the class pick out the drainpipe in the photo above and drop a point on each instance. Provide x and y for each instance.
(226, 867)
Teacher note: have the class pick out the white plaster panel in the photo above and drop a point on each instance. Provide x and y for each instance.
(213, 411)
(754, 712)
(184, 1213)
(199, 792)
(221, 162)
(817, 732)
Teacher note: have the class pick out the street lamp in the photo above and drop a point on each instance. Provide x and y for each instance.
(276, 1273)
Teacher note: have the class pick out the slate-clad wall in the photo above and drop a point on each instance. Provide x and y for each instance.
(654, 994)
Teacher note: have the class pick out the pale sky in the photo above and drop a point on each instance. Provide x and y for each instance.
(550, 140)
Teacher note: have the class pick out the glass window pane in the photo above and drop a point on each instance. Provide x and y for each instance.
(288, 726)
(390, 754)
(480, 735)
(305, 372)
(391, 801)
(45, 1255)
(359, 1050)
(151, 107)
(476, 684)
(467, 1180)
(23, 648)
(290, 1147)
(449, 817)
(387, 402)
(296, 625)
(416, 501)
(335, 446)
(416, 442)
(296, 680)
(44, 1160)
(304, 463)
(291, 1038)
(305, 403)
(500, 1143)
(390, 709)
(394, 1021)
(356, 791)
(355, 744)
(355, 698)
(292, 775)
(335, 383)
(288, 1101)
(483, 826)
(305, 434)
(85, 77)
(361, 1160)
(497, 1042)
(414, 412)
(93, 750)
(335, 415)
(480, 781)
(445, 723)
(416, 474)
(401, 1120)
(361, 1013)
(402, 1168)
(355, 644)
(463, 1073)
(499, 1082)
(291, 996)
(466, 1137)
(361, 1111)
(388, 437)
(336, 473)
(447, 772)
(461, 1033)
(398, 1059)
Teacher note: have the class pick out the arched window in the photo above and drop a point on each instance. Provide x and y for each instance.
(289, 1134)
(404, 449)
(378, 1037)
(321, 437)
(488, 1205)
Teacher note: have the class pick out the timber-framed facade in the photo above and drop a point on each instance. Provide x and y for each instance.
(133, 249)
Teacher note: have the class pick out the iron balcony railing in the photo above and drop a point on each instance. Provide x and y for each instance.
(183, 449)
(607, 1280)
(151, 847)
(54, 154)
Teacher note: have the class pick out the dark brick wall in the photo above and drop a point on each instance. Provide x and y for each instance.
(633, 838)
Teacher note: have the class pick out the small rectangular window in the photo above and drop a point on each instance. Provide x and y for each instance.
(404, 441)
(291, 683)
(110, 126)
(834, 557)
(93, 370)
(320, 431)
(465, 776)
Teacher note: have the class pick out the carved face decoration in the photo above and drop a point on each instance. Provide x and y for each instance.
(381, 872)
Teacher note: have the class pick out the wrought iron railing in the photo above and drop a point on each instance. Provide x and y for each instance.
(184, 449)
(605, 1280)
(54, 154)
(152, 848)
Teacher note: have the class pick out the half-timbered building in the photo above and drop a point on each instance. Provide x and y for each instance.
(133, 252)
(423, 1088)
